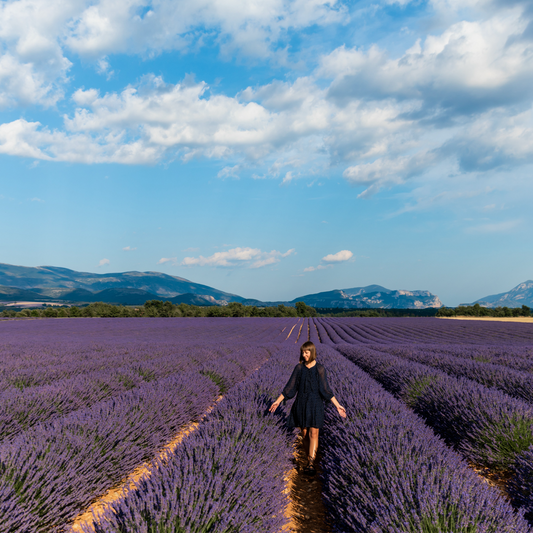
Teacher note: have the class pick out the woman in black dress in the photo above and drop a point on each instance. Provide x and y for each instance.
(309, 380)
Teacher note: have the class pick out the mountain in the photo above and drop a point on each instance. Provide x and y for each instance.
(51, 279)
(521, 295)
(373, 296)
(11, 294)
(47, 283)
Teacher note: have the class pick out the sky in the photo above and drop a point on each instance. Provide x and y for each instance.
(271, 148)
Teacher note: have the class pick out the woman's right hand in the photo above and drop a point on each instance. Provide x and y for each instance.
(274, 406)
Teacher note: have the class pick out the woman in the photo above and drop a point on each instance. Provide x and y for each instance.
(309, 380)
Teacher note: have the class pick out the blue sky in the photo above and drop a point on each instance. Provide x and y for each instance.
(271, 148)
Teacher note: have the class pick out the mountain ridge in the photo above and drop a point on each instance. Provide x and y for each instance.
(518, 296)
(49, 283)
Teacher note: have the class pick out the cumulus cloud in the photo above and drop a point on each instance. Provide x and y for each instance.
(251, 257)
(103, 262)
(343, 255)
(248, 26)
(339, 257)
(460, 94)
(129, 249)
(36, 37)
(33, 67)
(164, 260)
(470, 67)
(30, 139)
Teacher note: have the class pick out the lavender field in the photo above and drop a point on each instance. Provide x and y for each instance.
(438, 437)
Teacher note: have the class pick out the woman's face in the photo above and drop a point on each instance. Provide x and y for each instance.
(306, 355)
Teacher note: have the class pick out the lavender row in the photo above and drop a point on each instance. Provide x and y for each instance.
(31, 364)
(385, 471)
(132, 330)
(51, 472)
(512, 382)
(428, 330)
(21, 409)
(323, 333)
(226, 476)
(488, 426)
(515, 357)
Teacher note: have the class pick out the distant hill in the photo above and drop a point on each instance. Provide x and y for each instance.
(156, 283)
(372, 296)
(521, 295)
(47, 283)
(10, 294)
(120, 296)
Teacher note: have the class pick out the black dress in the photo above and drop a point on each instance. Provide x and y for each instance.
(312, 387)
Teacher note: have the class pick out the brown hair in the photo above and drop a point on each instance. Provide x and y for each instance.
(307, 346)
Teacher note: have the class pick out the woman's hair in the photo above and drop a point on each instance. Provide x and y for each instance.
(307, 346)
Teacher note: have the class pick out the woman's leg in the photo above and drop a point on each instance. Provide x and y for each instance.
(305, 438)
(313, 442)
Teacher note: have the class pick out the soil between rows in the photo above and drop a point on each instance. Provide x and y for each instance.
(306, 510)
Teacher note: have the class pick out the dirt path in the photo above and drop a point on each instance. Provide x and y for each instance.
(132, 481)
(306, 509)
(527, 319)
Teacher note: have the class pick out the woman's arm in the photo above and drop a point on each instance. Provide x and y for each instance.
(340, 408)
(290, 389)
(275, 405)
(327, 393)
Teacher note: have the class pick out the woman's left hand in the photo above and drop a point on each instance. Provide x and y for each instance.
(342, 411)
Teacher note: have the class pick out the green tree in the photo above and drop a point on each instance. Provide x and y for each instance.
(305, 310)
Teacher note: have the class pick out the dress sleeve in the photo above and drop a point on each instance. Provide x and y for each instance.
(291, 388)
(324, 388)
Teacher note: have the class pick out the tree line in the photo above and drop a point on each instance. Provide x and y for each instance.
(477, 310)
(158, 308)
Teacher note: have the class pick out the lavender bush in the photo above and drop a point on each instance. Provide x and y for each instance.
(227, 476)
(520, 485)
(56, 469)
(488, 426)
(51, 471)
(386, 472)
(512, 382)
(426, 330)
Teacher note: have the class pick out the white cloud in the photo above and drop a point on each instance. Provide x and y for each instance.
(319, 267)
(164, 260)
(229, 172)
(462, 93)
(103, 262)
(136, 26)
(29, 139)
(470, 66)
(252, 257)
(32, 64)
(36, 36)
(129, 249)
(343, 255)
